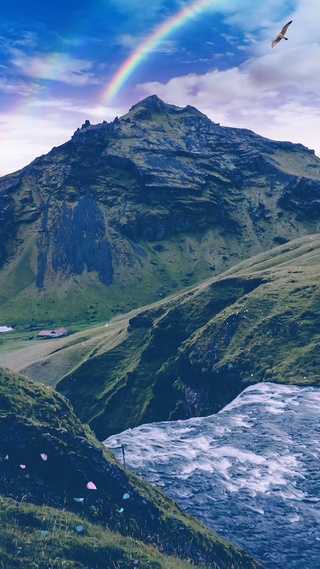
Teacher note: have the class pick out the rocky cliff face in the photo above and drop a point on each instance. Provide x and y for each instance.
(162, 195)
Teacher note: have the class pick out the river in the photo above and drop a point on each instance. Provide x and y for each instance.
(250, 473)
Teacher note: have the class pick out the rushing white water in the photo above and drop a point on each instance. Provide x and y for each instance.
(250, 473)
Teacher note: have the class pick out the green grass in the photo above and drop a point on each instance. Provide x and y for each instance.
(41, 494)
(261, 316)
(38, 403)
(24, 545)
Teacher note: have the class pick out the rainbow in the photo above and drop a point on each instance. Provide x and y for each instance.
(149, 44)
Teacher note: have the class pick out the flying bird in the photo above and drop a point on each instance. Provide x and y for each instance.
(281, 35)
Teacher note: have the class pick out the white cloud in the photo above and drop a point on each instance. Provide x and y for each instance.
(229, 88)
(23, 138)
(80, 111)
(129, 41)
(26, 39)
(14, 86)
(55, 67)
(36, 128)
(298, 67)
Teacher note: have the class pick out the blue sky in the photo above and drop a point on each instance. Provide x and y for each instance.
(57, 59)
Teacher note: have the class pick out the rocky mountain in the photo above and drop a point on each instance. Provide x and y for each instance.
(66, 502)
(130, 211)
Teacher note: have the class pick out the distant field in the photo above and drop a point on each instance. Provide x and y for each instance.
(49, 360)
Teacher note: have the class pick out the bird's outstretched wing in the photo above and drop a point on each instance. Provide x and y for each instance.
(275, 42)
(281, 34)
(284, 29)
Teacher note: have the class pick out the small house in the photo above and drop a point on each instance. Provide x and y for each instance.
(58, 333)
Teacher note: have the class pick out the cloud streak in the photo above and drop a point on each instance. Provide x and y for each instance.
(57, 66)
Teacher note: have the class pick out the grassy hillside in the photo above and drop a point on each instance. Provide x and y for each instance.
(190, 354)
(39, 537)
(66, 502)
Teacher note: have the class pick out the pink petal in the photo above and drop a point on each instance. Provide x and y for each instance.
(44, 456)
(22, 466)
(91, 486)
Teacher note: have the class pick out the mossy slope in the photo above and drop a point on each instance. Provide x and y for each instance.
(47, 459)
(192, 354)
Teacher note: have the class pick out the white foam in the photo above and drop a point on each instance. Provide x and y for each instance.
(294, 519)
(259, 454)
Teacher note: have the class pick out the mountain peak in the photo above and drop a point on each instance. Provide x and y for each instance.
(154, 105)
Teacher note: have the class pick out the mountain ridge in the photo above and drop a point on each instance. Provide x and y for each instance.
(161, 196)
